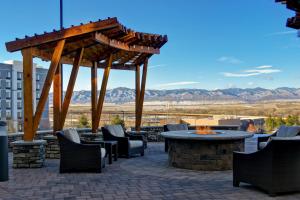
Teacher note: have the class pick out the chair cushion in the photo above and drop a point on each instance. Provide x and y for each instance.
(262, 145)
(116, 130)
(72, 135)
(135, 143)
(103, 152)
(177, 127)
(288, 131)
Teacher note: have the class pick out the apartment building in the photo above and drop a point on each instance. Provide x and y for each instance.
(11, 94)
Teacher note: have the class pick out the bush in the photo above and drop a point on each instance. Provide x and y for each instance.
(117, 120)
(83, 122)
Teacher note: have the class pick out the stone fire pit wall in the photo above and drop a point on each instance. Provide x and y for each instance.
(203, 155)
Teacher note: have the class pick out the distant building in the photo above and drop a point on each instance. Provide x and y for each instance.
(11, 96)
(213, 121)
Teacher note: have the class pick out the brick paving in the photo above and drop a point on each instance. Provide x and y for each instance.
(144, 178)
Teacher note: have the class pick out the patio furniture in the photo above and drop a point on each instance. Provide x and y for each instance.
(283, 131)
(78, 157)
(128, 145)
(173, 127)
(275, 168)
(111, 148)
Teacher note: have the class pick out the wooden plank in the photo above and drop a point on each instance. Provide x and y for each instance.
(141, 97)
(57, 99)
(137, 92)
(62, 34)
(94, 89)
(102, 92)
(121, 45)
(27, 95)
(70, 87)
(47, 84)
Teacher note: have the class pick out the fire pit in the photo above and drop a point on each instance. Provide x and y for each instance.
(204, 149)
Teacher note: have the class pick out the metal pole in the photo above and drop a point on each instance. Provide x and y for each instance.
(61, 14)
(61, 27)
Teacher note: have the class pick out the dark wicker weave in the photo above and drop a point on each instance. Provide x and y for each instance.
(275, 168)
(124, 148)
(76, 157)
(173, 127)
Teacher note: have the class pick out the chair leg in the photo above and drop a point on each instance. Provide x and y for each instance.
(236, 183)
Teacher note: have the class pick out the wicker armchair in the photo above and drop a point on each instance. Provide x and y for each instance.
(275, 168)
(283, 131)
(128, 145)
(173, 127)
(78, 157)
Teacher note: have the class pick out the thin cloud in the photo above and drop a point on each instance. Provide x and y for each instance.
(156, 66)
(230, 60)
(281, 33)
(261, 70)
(264, 67)
(180, 83)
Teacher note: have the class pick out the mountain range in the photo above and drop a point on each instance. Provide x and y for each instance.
(124, 95)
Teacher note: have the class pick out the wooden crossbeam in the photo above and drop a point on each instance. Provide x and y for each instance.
(27, 95)
(121, 45)
(94, 88)
(57, 98)
(102, 92)
(70, 87)
(63, 34)
(47, 84)
(137, 92)
(141, 96)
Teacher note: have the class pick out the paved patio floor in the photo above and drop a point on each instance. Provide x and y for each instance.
(146, 177)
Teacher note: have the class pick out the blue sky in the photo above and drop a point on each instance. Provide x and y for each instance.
(212, 44)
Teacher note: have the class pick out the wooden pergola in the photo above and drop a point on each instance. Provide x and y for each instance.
(293, 22)
(103, 44)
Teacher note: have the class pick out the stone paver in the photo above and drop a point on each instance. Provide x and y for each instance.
(146, 177)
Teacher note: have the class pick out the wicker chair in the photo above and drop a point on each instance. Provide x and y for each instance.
(275, 168)
(78, 157)
(128, 145)
(283, 131)
(173, 127)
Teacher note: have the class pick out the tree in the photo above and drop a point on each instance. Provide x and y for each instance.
(117, 120)
(270, 123)
(279, 121)
(84, 122)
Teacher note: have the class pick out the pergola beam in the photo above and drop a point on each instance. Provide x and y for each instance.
(70, 87)
(123, 46)
(47, 84)
(137, 93)
(102, 93)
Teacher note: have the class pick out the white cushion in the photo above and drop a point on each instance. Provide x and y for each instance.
(135, 143)
(116, 130)
(72, 135)
(263, 145)
(103, 152)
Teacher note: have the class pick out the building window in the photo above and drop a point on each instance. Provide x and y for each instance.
(19, 104)
(19, 115)
(20, 127)
(19, 75)
(8, 96)
(19, 95)
(38, 77)
(8, 114)
(7, 104)
(37, 86)
(8, 84)
(37, 95)
(8, 75)
(19, 86)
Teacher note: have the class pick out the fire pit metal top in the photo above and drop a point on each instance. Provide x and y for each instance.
(218, 135)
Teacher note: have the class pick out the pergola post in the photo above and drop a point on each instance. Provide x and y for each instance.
(27, 94)
(141, 96)
(94, 88)
(70, 88)
(137, 93)
(103, 91)
(57, 99)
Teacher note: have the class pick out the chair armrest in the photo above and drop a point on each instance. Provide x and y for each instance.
(101, 143)
(137, 137)
(265, 137)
